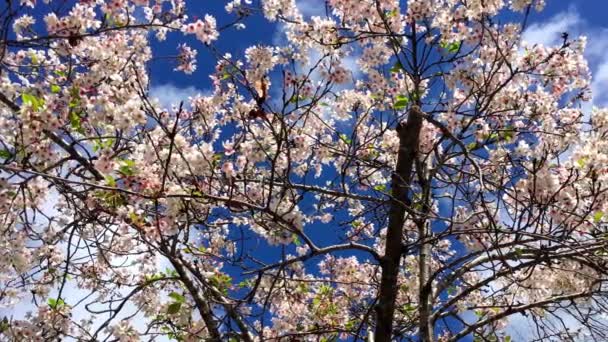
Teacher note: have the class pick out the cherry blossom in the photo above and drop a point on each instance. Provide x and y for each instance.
(378, 170)
(205, 30)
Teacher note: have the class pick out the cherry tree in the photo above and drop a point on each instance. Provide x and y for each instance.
(389, 171)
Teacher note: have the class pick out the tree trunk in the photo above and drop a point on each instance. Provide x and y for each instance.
(424, 305)
(401, 181)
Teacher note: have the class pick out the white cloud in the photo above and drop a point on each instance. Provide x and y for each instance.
(169, 95)
(310, 8)
(599, 85)
(549, 33)
(598, 62)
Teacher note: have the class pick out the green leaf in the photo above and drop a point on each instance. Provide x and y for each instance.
(408, 308)
(245, 283)
(174, 337)
(401, 103)
(507, 338)
(111, 181)
(108, 18)
(154, 277)
(326, 289)
(60, 73)
(55, 303)
(74, 103)
(98, 144)
(178, 298)
(55, 88)
(581, 162)
(174, 308)
(397, 67)
(217, 157)
(451, 47)
(316, 301)
(5, 154)
(296, 99)
(108, 142)
(76, 122)
(454, 47)
(171, 272)
(127, 168)
(331, 338)
(380, 187)
(34, 102)
(350, 324)
(221, 281)
(507, 135)
(519, 251)
(345, 138)
(296, 240)
(392, 13)
(4, 325)
(492, 136)
(598, 216)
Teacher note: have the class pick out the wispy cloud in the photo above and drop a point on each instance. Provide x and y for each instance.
(169, 95)
(549, 32)
(310, 8)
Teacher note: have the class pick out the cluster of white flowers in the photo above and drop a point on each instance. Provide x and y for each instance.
(205, 30)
